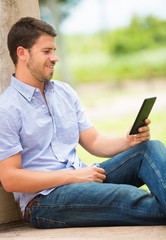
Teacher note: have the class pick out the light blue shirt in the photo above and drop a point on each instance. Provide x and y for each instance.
(46, 143)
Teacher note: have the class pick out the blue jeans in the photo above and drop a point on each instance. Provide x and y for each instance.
(117, 201)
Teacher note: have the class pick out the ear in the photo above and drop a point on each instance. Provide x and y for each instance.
(22, 53)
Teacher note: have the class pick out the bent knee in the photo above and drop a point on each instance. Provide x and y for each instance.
(153, 145)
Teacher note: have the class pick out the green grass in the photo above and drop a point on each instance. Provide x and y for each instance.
(119, 126)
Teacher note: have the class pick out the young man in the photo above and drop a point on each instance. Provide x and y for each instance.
(42, 121)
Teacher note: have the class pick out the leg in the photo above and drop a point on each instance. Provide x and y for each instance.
(145, 163)
(111, 203)
(96, 204)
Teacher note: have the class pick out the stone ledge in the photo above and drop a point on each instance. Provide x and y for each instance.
(26, 232)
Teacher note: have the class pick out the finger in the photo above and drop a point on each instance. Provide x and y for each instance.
(142, 137)
(98, 174)
(143, 134)
(144, 129)
(101, 178)
(99, 170)
(147, 121)
(101, 174)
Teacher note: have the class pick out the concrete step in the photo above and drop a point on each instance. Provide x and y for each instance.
(25, 231)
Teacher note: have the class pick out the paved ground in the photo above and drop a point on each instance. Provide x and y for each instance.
(105, 233)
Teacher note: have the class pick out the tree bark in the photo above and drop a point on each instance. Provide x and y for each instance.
(10, 12)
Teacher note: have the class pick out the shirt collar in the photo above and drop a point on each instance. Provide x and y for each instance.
(49, 85)
(26, 90)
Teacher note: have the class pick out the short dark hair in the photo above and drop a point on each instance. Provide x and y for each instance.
(25, 33)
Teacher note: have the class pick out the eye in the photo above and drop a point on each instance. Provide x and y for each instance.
(46, 52)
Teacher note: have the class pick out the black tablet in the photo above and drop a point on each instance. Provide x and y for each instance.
(143, 114)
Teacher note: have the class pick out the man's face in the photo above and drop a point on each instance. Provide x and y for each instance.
(42, 58)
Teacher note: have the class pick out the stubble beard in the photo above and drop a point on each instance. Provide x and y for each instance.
(37, 74)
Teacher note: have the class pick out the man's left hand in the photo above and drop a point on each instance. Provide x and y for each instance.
(143, 135)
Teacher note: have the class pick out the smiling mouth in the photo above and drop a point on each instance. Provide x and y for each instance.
(51, 67)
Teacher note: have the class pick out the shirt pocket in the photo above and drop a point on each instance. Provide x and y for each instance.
(67, 129)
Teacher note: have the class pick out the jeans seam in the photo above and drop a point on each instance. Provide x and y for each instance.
(122, 163)
(155, 169)
(50, 220)
(150, 163)
(75, 206)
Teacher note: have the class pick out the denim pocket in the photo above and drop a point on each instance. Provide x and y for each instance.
(47, 223)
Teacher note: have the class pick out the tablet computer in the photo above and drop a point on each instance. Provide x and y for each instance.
(142, 114)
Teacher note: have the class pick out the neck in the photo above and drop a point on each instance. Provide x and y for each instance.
(25, 77)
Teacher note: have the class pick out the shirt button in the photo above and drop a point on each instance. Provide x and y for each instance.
(43, 106)
(37, 90)
(33, 98)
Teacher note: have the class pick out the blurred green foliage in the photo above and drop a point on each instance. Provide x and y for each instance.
(135, 52)
(147, 33)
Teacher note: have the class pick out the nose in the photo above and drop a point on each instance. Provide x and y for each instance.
(53, 57)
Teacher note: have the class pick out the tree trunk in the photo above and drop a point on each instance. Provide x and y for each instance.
(10, 12)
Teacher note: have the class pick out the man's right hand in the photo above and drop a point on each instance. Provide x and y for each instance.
(89, 174)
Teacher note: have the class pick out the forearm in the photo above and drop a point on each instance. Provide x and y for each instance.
(105, 146)
(35, 181)
(16, 179)
(108, 146)
(23, 180)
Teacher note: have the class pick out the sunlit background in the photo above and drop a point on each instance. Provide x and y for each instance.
(113, 52)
